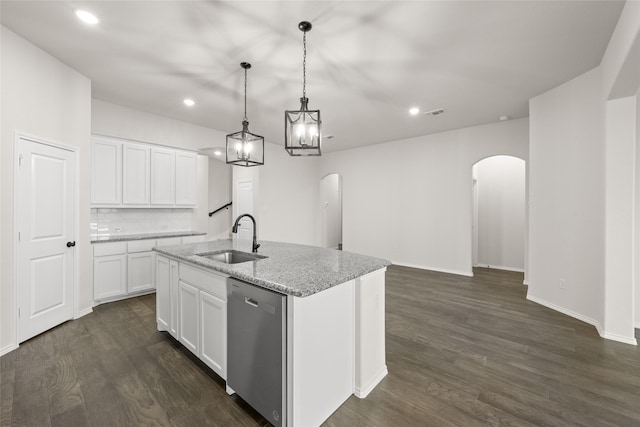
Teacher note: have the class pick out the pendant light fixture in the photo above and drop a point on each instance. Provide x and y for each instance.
(303, 128)
(245, 148)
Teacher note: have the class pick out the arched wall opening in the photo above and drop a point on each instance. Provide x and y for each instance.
(499, 213)
(331, 211)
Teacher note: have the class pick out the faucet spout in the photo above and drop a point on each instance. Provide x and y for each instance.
(234, 229)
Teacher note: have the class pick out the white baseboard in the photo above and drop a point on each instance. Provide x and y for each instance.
(439, 270)
(525, 282)
(8, 349)
(500, 267)
(593, 322)
(619, 338)
(364, 391)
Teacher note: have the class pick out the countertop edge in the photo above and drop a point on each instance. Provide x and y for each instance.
(146, 236)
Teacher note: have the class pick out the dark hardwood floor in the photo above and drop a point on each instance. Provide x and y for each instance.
(460, 352)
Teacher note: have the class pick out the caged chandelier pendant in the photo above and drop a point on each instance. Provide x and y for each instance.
(303, 128)
(245, 148)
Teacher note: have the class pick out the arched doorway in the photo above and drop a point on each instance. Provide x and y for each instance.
(331, 211)
(499, 213)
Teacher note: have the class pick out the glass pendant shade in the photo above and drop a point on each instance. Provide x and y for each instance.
(303, 127)
(245, 148)
(303, 131)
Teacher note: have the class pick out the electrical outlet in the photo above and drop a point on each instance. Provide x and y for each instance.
(563, 284)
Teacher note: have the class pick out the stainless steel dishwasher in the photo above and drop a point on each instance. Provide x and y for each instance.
(257, 348)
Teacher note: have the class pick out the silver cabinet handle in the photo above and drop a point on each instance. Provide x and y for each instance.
(251, 302)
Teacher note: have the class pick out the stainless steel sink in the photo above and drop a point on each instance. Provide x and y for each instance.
(231, 256)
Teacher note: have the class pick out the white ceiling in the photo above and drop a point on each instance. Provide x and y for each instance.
(367, 63)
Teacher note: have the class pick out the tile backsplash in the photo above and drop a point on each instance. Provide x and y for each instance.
(109, 222)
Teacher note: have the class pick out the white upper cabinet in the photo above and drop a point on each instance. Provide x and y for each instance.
(106, 171)
(130, 174)
(163, 183)
(135, 174)
(186, 178)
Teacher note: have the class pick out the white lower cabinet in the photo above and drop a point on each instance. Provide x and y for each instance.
(191, 305)
(173, 293)
(109, 270)
(213, 321)
(140, 271)
(123, 269)
(167, 282)
(109, 276)
(188, 316)
(163, 293)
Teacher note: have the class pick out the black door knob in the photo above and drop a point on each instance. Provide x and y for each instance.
(70, 244)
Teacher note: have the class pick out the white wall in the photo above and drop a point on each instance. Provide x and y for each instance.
(44, 98)
(619, 218)
(501, 212)
(566, 198)
(410, 201)
(200, 214)
(583, 204)
(286, 194)
(220, 175)
(637, 218)
(116, 120)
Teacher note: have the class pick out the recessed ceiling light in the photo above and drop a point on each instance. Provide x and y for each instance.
(218, 153)
(189, 102)
(503, 118)
(414, 111)
(87, 17)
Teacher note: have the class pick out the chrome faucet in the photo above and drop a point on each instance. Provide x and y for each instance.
(255, 245)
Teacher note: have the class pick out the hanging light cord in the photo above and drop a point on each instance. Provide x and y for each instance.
(304, 65)
(245, 96)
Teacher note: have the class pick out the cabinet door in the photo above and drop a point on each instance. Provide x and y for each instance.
(186, 178)
(163, 166)
(106, 171)
(163, 293)
(109, 276)
(213, 333)
(135, 174)
(188, 316)
(140, 271)
(173, 290)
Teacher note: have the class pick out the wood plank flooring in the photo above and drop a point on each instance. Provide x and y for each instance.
(460, 352)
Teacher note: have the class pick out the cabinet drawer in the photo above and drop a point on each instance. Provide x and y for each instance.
(168, 241)
(210, 282)
(105, 249)
(141, 245)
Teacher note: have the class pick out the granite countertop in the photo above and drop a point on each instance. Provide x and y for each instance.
(144, 236)
(298, 270)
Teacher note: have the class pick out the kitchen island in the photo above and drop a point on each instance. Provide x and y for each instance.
(334, 316)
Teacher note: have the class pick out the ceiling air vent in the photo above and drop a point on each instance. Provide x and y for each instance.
(435, 112)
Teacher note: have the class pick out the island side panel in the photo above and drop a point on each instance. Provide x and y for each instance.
(370, 358)
(320, 343)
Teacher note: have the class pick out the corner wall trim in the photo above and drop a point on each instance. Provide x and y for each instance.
(83, 313)
(594, 323)
(8, 349)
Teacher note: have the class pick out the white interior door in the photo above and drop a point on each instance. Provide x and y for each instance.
(245, 205)
(46, 226)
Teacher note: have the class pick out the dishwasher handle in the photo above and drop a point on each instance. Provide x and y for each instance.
(251, 301)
